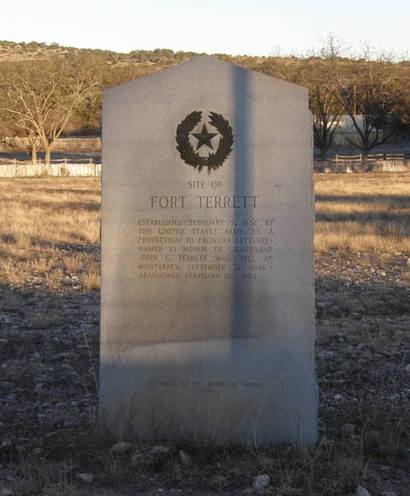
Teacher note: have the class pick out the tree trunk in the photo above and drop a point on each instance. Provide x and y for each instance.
(47, 154)
(365, 148)
(34, 154)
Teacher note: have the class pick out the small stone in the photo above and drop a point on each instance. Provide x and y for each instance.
(326, 354)
(407, 368)
(185, 458)
(362, 491)
(136, 459)
(261, 482)
(62, 356)
(154, 456)
(38, 387)
(85, 477)
(5, 491)
(41, 378)
(348, 429)
(120, 448)
(337, 397)
(159, 450)
(5, 444)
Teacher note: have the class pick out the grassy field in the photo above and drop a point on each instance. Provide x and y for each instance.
(51, 226)
(49, 317)
(50, 232)
(363, 213)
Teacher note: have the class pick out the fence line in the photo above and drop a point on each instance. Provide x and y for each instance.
(380, 162)
(340, 163)
(55, 169)
(69, 143)
(14, 161)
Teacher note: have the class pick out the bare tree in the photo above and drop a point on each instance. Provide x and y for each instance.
(370, 93)
(403, 109)
(11, 132)
(316, 74)
(326, 109)
(326, 118)
(42, 97)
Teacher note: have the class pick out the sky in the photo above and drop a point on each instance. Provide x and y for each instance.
(251, 27)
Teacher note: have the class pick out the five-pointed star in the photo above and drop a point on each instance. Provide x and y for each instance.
(204, 138)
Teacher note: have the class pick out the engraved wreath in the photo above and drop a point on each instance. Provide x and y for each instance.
(192, 157)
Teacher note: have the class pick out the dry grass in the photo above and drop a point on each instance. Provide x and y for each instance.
(367, 213)
(91, 278)
(49, 261)
(50, 227)
(50, 233)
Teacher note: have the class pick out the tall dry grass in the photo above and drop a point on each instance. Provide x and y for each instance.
(49, 238)
(49, 232)
(367, 213)
(49, 227)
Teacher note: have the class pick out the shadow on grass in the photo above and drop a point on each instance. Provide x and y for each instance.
(50, 347)
(64, 190)
(53, 340)
(72, 247)
(383, 218)
(337, 298)
(394, 200)
(55, 206)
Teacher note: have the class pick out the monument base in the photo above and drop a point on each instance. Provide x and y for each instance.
(243, 391)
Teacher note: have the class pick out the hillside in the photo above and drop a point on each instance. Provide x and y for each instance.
(158, 58)
(109, 67)
(337, 85)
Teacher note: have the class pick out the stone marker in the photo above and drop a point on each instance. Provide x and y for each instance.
(207, 284)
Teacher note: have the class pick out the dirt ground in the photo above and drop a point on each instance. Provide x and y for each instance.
(49, 336)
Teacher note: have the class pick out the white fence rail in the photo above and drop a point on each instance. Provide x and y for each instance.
(59, 169)
(89, 169)
(358, 163)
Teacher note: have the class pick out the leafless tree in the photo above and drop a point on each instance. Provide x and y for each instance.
(315, 73)
(370, 92)
(11, 132)
(41, 97)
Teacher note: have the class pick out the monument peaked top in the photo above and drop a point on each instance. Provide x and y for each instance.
(209, 66)
(207, 302)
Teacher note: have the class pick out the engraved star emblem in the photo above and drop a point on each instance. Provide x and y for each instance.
(204, 138)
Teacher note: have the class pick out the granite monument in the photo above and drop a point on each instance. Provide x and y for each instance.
(207, 315)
